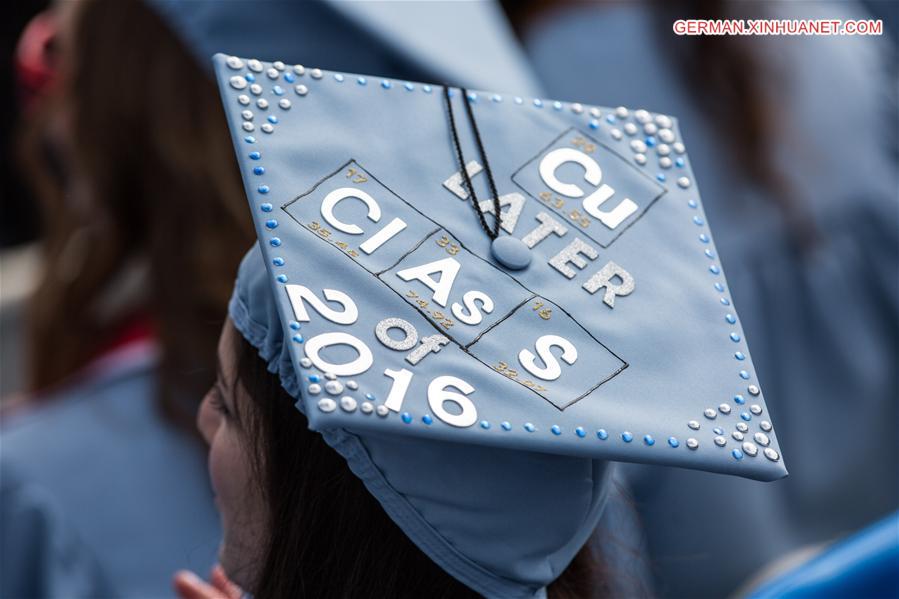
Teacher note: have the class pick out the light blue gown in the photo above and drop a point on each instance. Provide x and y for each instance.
(823, 328)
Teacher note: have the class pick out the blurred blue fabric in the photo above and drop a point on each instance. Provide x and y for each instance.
(823, 326)
(101, 497)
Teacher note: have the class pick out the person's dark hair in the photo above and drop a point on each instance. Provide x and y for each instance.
(329, 537)
(144, 214)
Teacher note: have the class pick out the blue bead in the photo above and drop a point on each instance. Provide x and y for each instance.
(738, 455)
(627, 437)
(746, 416)
(679, 162)
(298, 339)
(557, 105)
(718, 430)
(725, 301)
(497, 98)
(556, 429)
(594, 124)
(744, 375)
(519, 100)
(272, 119)
(538, 102)
(290, 77)
(426, 88)
(704, 238)
(271, 224)
(409, 87)
(719, 287)
(386, 84)
(278, 90)
(506, 426)
(279, 261)
(739, 355)
(255, 155)
(709, 253)
(610, 118)
(698, 221)
(580, 432)
(275, 242)
(739, 399)
(649, 440)
(673, 442)
(485, 425)
(314, 378)
(250, 139)
(263, 189)
(529, 427)
(338, 77)
(714, 269)
(266, 207)
(602, 434)
(451, 92)
(407, 417)
(661, 177)
(250, 77)
(730, 318)
(369, 397)
(361, 80)
(650, 141)
(734, 337)
(692, 204)
(259, 170)
(281, 278)
(427, 419)
(294, 325)
(472, 97)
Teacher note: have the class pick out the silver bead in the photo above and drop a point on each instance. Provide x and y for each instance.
(692, 443)
(742, 427)
(314, 389)
(765, 426)
(665, 162)
(755, 409)
(762, 439)
(694, 425)
(663, 150)
(382, 410)
(247, 115)
(650, 128)
(299, 69)
(683, 182)
(234, 62)
(330, 376)
(750, 449)
(630, 128)
(315, 73)
(327, 405)
(347, 404)
(666, 135)
(267, 127)
(753, 390)
(616, 134)
(595, 112)
(248, 126)
(305, 362)
(334, 387)
(638, 146)
(255, 89)
(710, 413)
(238, 82)
(272, 73)
(284, 103)
(771, 454)
(243, 99)
(278, 65)
(262, 103)
(737, 435)
(640, 159)
(663, 121)
(679, 147)
(621, 112)
(724, 408)
(352, 385)
(367, 407)
(720, 441)
(254, 65)
(577, 108)
(301, 90)
(642, 116)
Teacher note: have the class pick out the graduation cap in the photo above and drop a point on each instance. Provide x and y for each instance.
(496, 270)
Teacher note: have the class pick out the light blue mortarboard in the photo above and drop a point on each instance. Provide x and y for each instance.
(479, 387)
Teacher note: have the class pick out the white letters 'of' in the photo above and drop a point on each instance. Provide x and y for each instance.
(553, 369)
(593, 175)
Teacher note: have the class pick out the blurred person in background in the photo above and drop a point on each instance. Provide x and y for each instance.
(793, 143)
